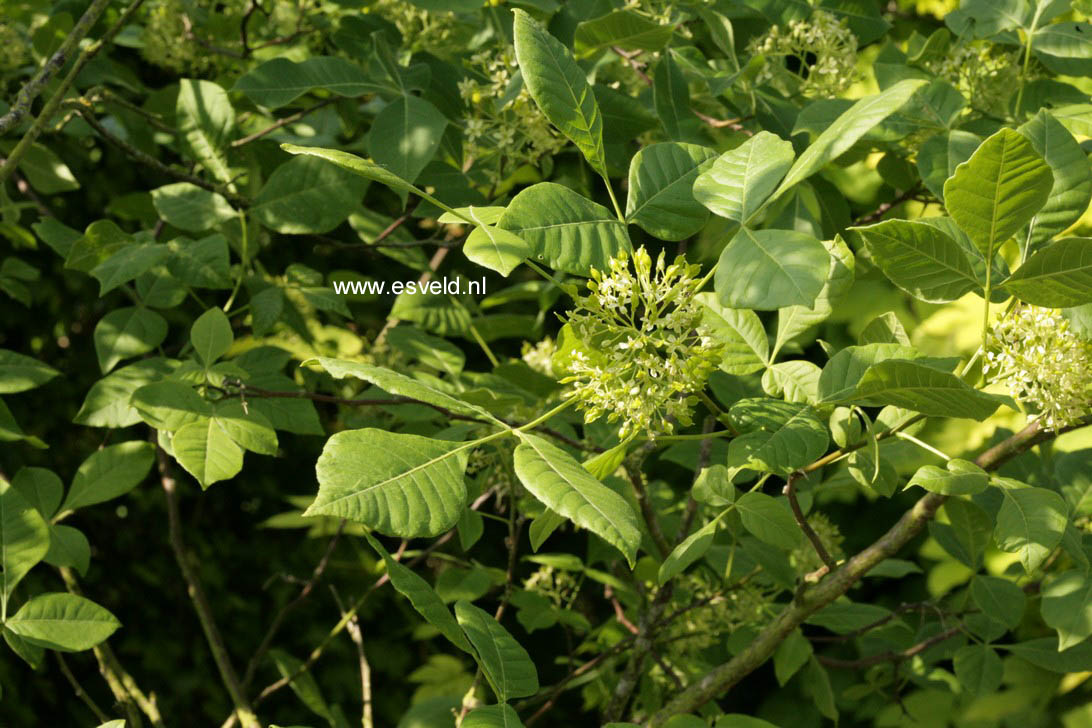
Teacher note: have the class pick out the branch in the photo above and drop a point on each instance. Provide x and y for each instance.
(80, 692)
(892, 656)
(883, 209)
(290, 119)
(200, 600)
(816, 542)
(55, 100)
(724, 676)
(56, 62)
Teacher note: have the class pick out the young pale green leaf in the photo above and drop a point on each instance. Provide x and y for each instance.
(999, 599)
(770, 269)
(563, 486)
(398, 484)
(978, 668)
(248, 428)
(41, 488)
(741, 180)
(560, 88)
(962, 477)
(1058, 276)
(923, 389)
(110, 472)
(857, 121)
(18, 372)
(206, 120)
(796, 380)
(492, 716)
(1067, 606)
(713, 486)
(792, 436)
(998, 190)
(741, 334)
(768, 520)
(624, 29)
(279, 81)
(205, 451)
(169, 405)
(211, 335)
(189, 207)
(405, 136)
(1030, 523)
(671, 96)
(565, 230)
(127, 332)
(686, 553)
(400, 384)
(308, 195)
(661, 178)
(126, 264)
(68, 547)
(422, 596)
(24, 538)
(1072, 189)
(63, 622)
(541, 528)
(493, 247)
(919, 259)
(506, 665)
(884, 329)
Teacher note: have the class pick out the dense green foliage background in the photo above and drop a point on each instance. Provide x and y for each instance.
(184, 183)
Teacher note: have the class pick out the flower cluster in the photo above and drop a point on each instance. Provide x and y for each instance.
(503, 123)
(540, 356)
(168, 38)
(1042, 362)
(557, 585)
(817, 57)
(984, 73)
(642, 348)
(747, 604)
(13, 48)
(423, 30)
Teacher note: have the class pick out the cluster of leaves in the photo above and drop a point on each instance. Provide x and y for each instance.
(203, 201)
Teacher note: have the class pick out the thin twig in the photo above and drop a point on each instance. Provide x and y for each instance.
(290, 119)
(80, 692)
(817, 543)
(884, 208)
(892, 656)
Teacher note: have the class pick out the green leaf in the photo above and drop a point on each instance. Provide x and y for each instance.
(1031, 523)
(126, 264)
(625, 29)
(795, 320)
(741, 180)
(110, 472)
(18, 373)
(739, 332)
(563, 486)
(843, 372)
(792, 654)
(211, 335)
(107, 402)
(46, 172)
(857, 121)
(68, 547)
(739, 720)
(769, 269)
(189, 207)
(279, 81)
(923, 389)
(768, 520)
(998, 190)
(782, 437)
(429, 350)
(41, 488)
(671, 96)
(63, 622)
(967, 534)
(24, 538)
(884, 329)
(493, 247)
(206, 120)
(686, 553)
(398, 484)
(1044, 653)
(1072, 189)
(422, 596)
(492, 716)
(127, 332)
(206, 453)
(560, 88)
(1058, 276)
(308, 195)
(405, 135)
(303, 683)
(565, 230)
(961, 478)
(400, 384)
(978, 668)
(920, 259)
(250, 430)
(1067, 606)
(941, 154)
(1065, 48)
(506, 665)
(999, 599)
(985, 18)
(203, 263)
(169, 405)
(661, 179)
(100, 240)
